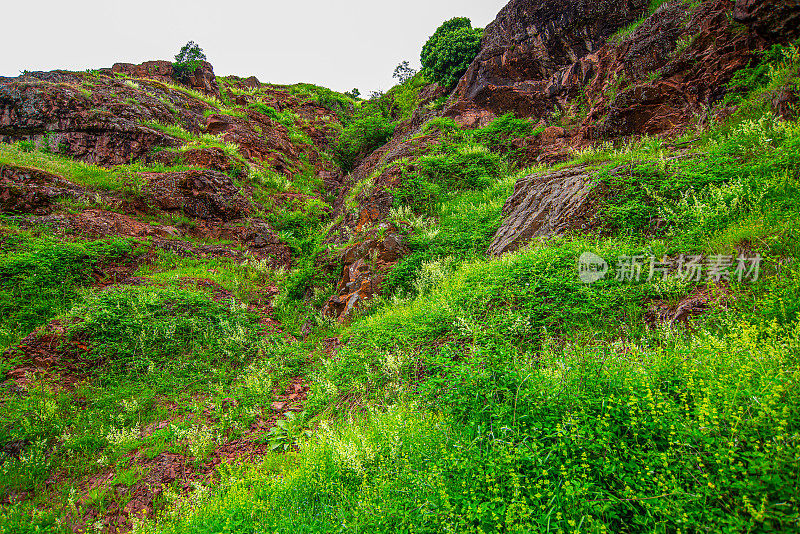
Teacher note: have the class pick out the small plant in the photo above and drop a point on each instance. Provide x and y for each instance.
(403, 72)
(286, 433)
(683, 44)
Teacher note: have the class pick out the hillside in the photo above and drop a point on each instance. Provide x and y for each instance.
(553, 288)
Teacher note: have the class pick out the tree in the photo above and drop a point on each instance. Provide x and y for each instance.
(188, 60)
(450, 50)
(355, 93)
(191, 51)
(403, 72)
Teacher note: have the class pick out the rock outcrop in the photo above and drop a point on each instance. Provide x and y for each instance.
(657, 78)
(549, 203)
(775, 19)
(95, 119)
(203, 194)
(32, 191)
(202, 79)
(102, 118)
(366, 264)
(527, 44)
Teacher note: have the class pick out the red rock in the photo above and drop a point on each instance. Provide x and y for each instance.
(202, 79)
(545, 204)
(361, 281)
(656, 80)
(204, 194)
(775, 19)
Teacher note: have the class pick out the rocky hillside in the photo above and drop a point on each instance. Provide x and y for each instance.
(561, 295)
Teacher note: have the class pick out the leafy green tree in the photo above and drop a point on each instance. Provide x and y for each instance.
(188, 60)
(449, 52)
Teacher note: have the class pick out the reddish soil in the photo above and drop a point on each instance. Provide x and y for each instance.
(179, 471)
(47, 352)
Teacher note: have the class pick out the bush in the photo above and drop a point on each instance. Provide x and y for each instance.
(501, 131)
(368, 131)
(454, 168)
(135, 328)
(405, 97)
(449, 52)
(39, 278)
(342, 104)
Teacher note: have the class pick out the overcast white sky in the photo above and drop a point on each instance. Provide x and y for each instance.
(341, 45)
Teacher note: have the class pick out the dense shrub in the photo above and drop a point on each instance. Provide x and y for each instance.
(139, 327)
(369, 130)
(759, 73)
(748, 172)
(341, 104)
(453, 168)
(449, 52)
(499, 133)
(404, 97)
(39, 278)
(664, 434)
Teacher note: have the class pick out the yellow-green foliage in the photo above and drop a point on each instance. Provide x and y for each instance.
(86, 174)
(478, 394)
(673, 437)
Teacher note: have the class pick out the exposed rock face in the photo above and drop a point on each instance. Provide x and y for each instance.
(206, 158)
(107, 120)
(548, 203)
(659, 79)
(660, 312)
(272, 145)
(101, 223)
(776, 19)
(366, 265)
(667, 73)
(202, 79)
(262, 240)
(526, 45)
(203, 194)
(100, 120)
(32, 191)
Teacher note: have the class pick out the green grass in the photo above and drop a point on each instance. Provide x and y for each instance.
(605, 438)
(478, 394)
(630, 28)
(504, 395)
(120, 179)
(152, 347)
(85, 174)
(40, 277)
(195, 141)
(209, 100)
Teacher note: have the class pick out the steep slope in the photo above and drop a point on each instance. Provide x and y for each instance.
(657, 75)
(562, 297)
(583, 73)
(145, 223)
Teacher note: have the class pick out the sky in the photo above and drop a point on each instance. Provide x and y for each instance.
(341, 45)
